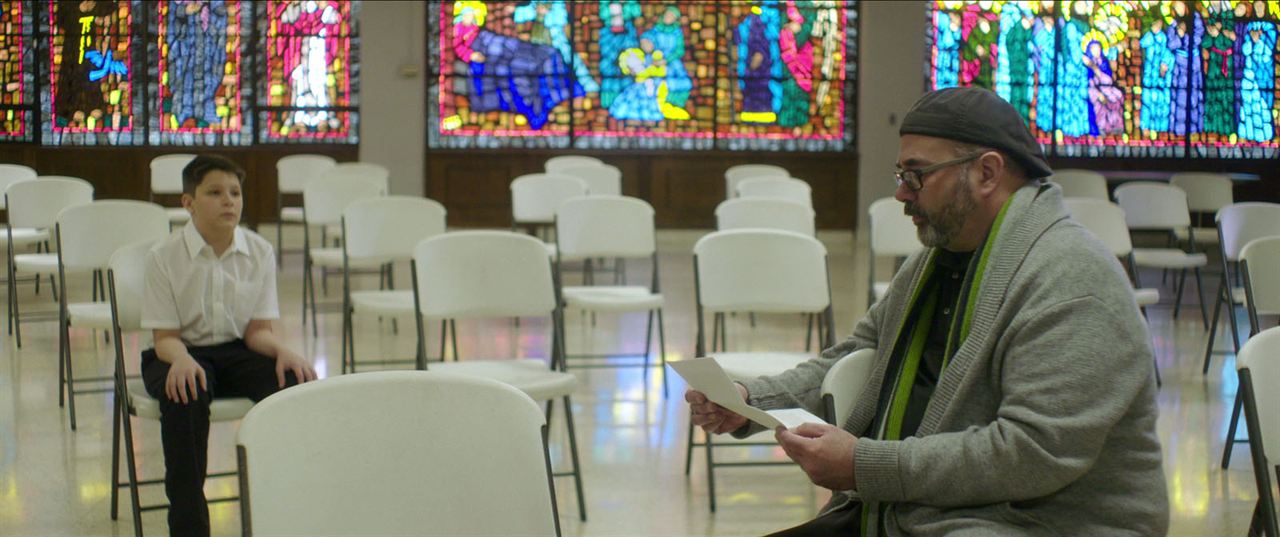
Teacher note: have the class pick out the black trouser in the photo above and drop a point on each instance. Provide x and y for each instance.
(232, 370)
(845, 520)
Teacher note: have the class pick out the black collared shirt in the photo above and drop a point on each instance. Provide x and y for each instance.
(948, 280)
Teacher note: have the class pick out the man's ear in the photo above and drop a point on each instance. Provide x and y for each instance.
(992, 166)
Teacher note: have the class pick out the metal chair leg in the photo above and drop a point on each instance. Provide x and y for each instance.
(573, 455)
(1230, 443)
(662, 354)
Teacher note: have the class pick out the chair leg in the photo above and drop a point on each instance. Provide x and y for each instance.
(444, 333)
(70, 380)
(1231, 431)
(808, 333)
(1213, 328)
(315, 331)
(306, 283)
(711, 472)
(115, 458)
(279, 242)
(648, 342)
(688, 448)
(346, 319)
(1204, 314)
(662, 354)
(573, 455)
(62, 369)
(1177, 299)
(453, 338)
(132, 467)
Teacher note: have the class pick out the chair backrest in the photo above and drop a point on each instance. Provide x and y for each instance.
(1240, 223)
(788, 188)
(558, 164)
(765, 213)
(388, 227)
(1081, 183)
(362, 169)
(1261, 356)
(892, 232)
(535, 197)
(36, 204)
(88, 234)
(844, 383)
(396, 453)
(12, 173)
(604, 226)
(325, 197)
(761, 270)
(166, 172)
(1153, 206)
(470, 274)
(294, 171)
(127, 277)
(1261, 259)
(601, 179)
(736, 174)
(1206, 192)
(1105, 220)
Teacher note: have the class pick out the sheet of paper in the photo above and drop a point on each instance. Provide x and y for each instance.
(706, 376)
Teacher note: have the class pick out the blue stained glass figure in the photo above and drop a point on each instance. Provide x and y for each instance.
(1186, 101)
(1044, 52)
(1073, 109)
(640, 100)
(1013, 70)
(197, 41)
(552, 18)
(760, 64)
(1010, 16)
(1257, 87)
(1220, 74)
(668, 38)
(946, 66)
(616, 35)
(105, 65)
(1157, 78)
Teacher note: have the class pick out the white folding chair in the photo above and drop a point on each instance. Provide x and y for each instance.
(293, 172)
(1077, 183)
(166, 179)
(601, 179)
(12, 173)
(535, 198)
(786, 188)
(892, 235)
(497, 274)
(1150, 206)
(765, 213)
(87, 235)
(1238, 223)
(618, 227)
(402, 452)
(323, 200)
(755, 271)
(35, 205)
(844, 383)
(558, 164)
(1260, 269)
(1206, 194)
(376, 232)
(1258, 367)
(736, 174)
(126, 280)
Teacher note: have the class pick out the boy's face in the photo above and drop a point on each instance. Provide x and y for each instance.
(216, 203)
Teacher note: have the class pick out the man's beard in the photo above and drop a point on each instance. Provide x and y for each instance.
(940, 228)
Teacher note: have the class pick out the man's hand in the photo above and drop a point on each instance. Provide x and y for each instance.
(180, 386)
(824, 452)
(713, 418)
(290, 361)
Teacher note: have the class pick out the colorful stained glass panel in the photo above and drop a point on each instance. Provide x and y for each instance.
(91, 66)
(16, 78)
(196, 77)
(307, 93)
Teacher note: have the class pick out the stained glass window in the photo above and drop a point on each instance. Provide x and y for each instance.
(197, 76)
(764, 75)
(16, 77)
(90, 72)
(1120, 78)
(308, 92)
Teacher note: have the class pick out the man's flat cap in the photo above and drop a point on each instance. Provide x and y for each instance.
(977, 116)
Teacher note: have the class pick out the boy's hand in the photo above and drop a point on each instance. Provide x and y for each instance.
(180, 384)
(290, 361)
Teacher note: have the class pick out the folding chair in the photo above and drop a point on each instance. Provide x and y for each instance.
(293, 172)
(601, 179)
(892, 234)
(166, 179)
(765, 213)
(844, 383)
(126, 280)
(396, 453)
(1081, 184)
(1258, 366)
(1238, 223)
(10, 174)
(378, 232)
(535, 198)
(558, 164)
(87, 235)
(788, 188)
(1159, 207)
(35, 205)
(1206, 194)
(488, 274)
(736, 174)
(1260, 268)
(323, 200)
(622, 228)
(760, 271)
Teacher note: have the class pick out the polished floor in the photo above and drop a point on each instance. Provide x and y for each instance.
(54, 481)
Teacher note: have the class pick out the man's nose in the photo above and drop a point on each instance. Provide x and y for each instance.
(903, 194)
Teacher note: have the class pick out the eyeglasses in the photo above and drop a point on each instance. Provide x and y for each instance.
(914, 179)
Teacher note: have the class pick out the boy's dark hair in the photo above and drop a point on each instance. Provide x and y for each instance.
(193, 174)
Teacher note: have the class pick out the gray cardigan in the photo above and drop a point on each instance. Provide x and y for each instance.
(1044, 422)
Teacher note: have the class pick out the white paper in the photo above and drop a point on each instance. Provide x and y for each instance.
(706, 376)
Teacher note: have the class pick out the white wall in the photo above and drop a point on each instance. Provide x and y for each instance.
(393, 105)
(891, 78)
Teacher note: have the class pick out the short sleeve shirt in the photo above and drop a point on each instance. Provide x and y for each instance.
(209, 298)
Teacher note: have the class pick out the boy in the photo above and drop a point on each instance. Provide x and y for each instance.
(210, 300)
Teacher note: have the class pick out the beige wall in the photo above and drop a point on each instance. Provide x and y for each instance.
(393, 99)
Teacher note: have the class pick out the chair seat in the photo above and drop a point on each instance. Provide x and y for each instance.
(332, 258)
(177, 215)
(529, 376)
(1146, 296)
(1204, 235)
(880, 288)
(749, 365)
(23, 236)
(145, 406)
(291, 214)
(37, 263)
(612, 298)
(90, 315)
(1170, 258)
(383, 302)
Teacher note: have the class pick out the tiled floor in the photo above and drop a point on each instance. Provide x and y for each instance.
(57, 482)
